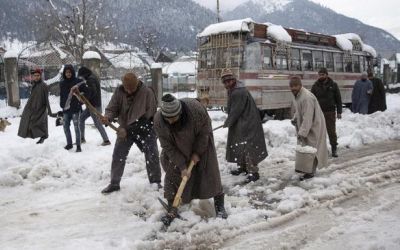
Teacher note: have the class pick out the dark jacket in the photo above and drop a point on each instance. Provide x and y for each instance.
(192, 134)
(328, 95)
(94, 95)
(65, 88)
(246, 142)
(33, 122)
(378, 96)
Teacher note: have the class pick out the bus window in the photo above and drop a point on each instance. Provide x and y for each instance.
(295, 60)
(209, 59)
(329, 61)
(356, 62)
(362, 64)
(306, 62)
(338, 57)
(267, 58)
(236, 57)
(318, 60)
(348, 63)
(281, 61)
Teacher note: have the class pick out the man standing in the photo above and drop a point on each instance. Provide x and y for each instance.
(135, 105)
(378, 96)
(33, 122)
(361, 95)
(94, 99)
(328, 95)
(185, 133)
(246, 144)
(310, 123)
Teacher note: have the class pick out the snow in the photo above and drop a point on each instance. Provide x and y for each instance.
(306, 149)
(11, 54)
(183, 66)
(127, 60)
(369, 49)
(56, 78)
(398, 58)
(343, 43)
(50, 198)
(278, 33)
(270, 6)
(226, 27)
(156, 65)
(91, 55)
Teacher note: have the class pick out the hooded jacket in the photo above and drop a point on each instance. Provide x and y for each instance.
(65, 88)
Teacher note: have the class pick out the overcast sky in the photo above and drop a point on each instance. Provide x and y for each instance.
(384, 14)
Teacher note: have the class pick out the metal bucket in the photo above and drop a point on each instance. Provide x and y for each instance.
(304, 162)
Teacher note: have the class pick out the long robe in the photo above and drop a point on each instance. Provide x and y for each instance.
(178, 144)
(33, 122)
(360, 96)
(246, 142)
(310, 124)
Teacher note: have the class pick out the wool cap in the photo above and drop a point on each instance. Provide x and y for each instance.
(170, 106)
(323, 71)
(131, 79)
(227, 74)
(37, 70)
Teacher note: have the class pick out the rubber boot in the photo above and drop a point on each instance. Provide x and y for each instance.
(334, 151)
(219, 206)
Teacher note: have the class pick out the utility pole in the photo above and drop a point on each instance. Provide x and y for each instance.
(218, 16)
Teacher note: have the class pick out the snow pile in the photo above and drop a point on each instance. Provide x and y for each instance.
(227, 27)
(91, 55)
(156, 65)
(183, 66)
(11, 54)
(343, 41)
(10, 179)
(278, 33)
(306, 149)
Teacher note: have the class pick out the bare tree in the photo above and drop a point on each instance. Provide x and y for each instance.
(75, 25)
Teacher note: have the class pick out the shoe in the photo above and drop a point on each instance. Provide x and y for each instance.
(41, 140)
(169, 217)
(306, 176)
(83, 140)
(219, 207)
(106, 143)
(110, 188)
(68, 147)
(239, 171)
(78, 149)
(334, 151)
(252, 177)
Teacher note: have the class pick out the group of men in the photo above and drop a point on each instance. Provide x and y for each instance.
(184, 130)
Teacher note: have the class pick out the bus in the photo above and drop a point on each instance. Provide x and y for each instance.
(264, 56)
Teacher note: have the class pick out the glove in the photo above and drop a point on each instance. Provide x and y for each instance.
(121, 133)
(60, 113)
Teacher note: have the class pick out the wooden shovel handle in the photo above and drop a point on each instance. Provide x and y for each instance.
(178, 196)
(92, 109)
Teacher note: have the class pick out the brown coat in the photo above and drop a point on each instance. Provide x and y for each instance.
(33, 122)
(246, 142)
(144, 103)
(178, 144)
(311, 124)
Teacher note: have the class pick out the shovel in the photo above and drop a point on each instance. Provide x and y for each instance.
(218, 127)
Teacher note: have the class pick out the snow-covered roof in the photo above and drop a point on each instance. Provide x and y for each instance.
(369, 49)
(278, 33)
(183, 66)
(127, 60)
(226, 27)
(343, 41)
(91, 55)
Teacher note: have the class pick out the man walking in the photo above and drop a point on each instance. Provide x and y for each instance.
(361, 95)
(185, 133)
(328, 95)
(135, 105)
(33, 122)
(95, 99)
(310, 124)
(246, 144)
(378, 96)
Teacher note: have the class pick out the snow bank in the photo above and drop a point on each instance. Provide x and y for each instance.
(91, 55)
(278, 33)
(226, 27)
(10, 179)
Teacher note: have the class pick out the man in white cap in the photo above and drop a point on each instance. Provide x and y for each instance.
(246, 144)
(185, 133)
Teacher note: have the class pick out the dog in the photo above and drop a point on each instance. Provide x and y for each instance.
(3, 124)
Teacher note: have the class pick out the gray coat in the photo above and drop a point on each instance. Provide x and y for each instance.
(310, 124)
(178, 143)
(33, 122)
(360, 96)
(246, 143)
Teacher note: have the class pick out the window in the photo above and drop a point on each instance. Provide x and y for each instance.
(295, 60)
(318, 60)
(362, 64)
(306, 62)
(328, 56)
(267, 58)
(236, 57)
(281, 61)
(209, 59)
(348, 62)
(222, 58)
(338, 57)
(356, 63)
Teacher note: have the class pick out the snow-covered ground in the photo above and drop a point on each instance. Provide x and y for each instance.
(50, 198)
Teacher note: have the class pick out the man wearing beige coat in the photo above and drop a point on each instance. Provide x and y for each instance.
(310, 125)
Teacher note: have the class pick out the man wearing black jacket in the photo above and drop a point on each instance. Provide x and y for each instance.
(330, 100)
(94, 98)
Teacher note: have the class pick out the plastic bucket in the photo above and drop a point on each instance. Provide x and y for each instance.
(304, 162)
